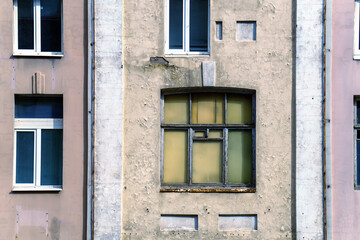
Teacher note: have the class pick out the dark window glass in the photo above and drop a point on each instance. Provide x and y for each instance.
(199, 25)
(38, 107)
(51, 157)
(357, 112)
(176, 24)
(25, 24)
(51, 25)
(358, 160)
(24, 157)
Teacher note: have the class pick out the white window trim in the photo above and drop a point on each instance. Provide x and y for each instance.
(37, 34)
(34, 125)
(185, 52)
(356, 31)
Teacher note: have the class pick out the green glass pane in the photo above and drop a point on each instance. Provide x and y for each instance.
(207, 108)
(207, 162)
(215, 134)
(240, 156)
(176, 109)
(175, 156)
(239, 109)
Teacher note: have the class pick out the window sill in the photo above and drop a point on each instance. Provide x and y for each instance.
(356, 57)
(187, 55)
(208, 190)
(37, 189)
(40, 54)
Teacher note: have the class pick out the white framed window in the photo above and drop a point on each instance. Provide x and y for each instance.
(356, 31)
(38, 143)
(187, 27)
(357, 142)
(38, 28)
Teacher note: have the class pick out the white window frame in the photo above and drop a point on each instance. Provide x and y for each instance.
(34, 125)
(186, 32)
(356, 31)
(37, 34)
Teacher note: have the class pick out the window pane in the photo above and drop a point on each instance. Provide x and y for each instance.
(25, 24)
(51, 25)
(207, 162)
(207, 108)
(176, 109)
(215, 133)
(51, 157)
(38, 107)
(240, 156)
(357, 112)
(358, 161)
(175, 156)
(176, 24)
(239, 109)
(199, 25)
(24, 157)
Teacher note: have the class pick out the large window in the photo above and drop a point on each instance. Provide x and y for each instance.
(208, 140)
(38, 27)
(38, 143)
(357, 142)
(187, 27)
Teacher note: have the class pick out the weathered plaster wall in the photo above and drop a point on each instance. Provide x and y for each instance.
(108, 104)
(345, 85)
(264, 65)
(23, 214)
(309, 165)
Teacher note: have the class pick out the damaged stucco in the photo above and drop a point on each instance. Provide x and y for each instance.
(264, 65)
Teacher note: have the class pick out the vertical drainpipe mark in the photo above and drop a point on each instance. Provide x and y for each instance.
(13, 75)
(53, 74)
(47, 224)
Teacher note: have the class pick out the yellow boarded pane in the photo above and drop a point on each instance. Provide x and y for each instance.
(176, 109)
(239, 109)
(207, 162)
(199, 134)
(175, 156)
(207, 108)
(215, 134)
(240, 156)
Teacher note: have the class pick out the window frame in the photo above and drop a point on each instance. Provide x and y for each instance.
(357, 31)
(186, 32)
(37, 33)
(35, 125)
(356, 129)
(224, 186)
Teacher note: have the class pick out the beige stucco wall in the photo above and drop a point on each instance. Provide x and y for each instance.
(264, 65)
(63, 76)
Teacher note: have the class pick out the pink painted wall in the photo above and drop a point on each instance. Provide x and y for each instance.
(345, 85)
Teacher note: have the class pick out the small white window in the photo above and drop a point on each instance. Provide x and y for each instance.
(187, 27)
(38, 143)
(356, 31)
(38, 28)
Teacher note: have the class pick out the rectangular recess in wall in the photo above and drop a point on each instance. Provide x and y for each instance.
(219, 31)
(179, 223)
(246, 30)
(237, 222)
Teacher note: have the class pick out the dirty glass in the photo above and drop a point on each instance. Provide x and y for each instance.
(51, 25)
(175, 156)
(207, 108)
(25, 24)
(24, 157)
(176, 109)
(176, 24)
(199, 25)
(51, 156)
(207, 162)
(240, 156)
(215, 134)
(239, 109)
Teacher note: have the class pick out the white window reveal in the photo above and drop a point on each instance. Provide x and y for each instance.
(356, 31)
(187, 27)
(38, 28)
(38, 143)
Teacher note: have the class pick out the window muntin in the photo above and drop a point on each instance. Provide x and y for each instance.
(38, 143)
(38, 27)
(187, 27)
(208, 140)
